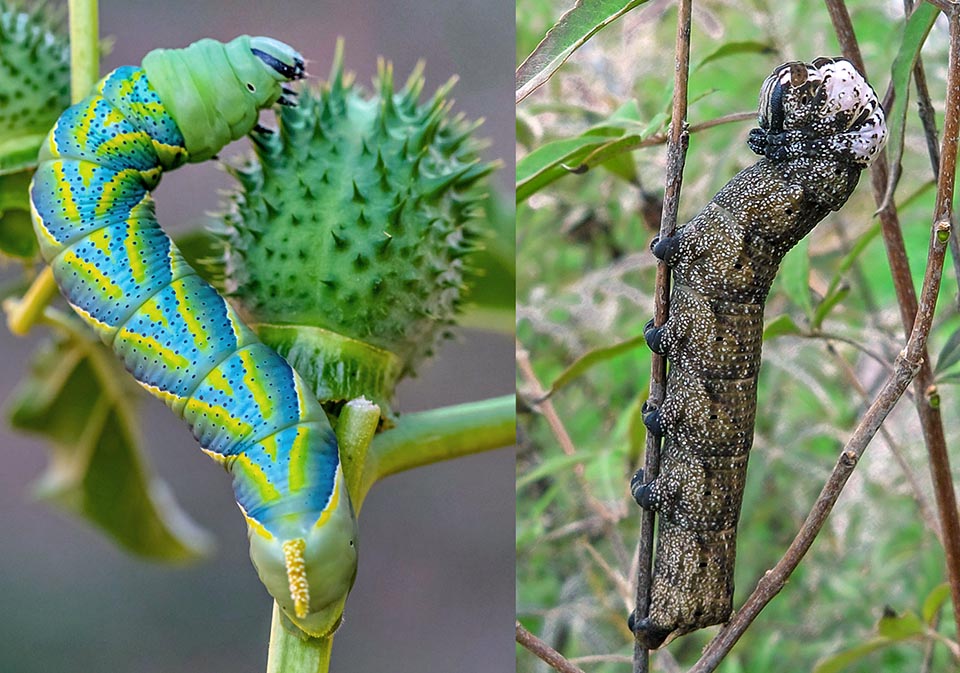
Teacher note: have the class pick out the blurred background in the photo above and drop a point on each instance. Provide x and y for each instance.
(435, 590)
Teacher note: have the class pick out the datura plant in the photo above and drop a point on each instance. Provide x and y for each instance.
(345, 247)
(348, 236)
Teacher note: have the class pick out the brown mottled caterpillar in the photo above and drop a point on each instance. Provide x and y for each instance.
(821, 124)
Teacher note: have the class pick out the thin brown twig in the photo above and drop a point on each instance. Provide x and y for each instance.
(602, 659)
(926, 511)
(610, 517)
(929, 122)
(544, 652)
(676, 157)
(927, 398)
(664, 138)
(545, 406)
(908, 365)
(623, 585)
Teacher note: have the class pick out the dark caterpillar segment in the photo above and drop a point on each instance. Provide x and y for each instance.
(821, 124)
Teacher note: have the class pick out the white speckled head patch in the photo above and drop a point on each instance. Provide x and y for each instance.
(806, 104)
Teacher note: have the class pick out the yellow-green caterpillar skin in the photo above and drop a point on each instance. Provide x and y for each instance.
(249, 410)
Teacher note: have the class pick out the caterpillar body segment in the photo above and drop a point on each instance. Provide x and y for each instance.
(95, 219)
(820, 125)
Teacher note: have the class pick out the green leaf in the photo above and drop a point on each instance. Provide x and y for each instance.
(557, 463)
(599, 144)
(953, 377)
(825, 306)
(949, 354)
(782, 325)
(546, 163)
(636, 430)
(79, 398)
(733, 48)
(900, 627)
(851, 257)
(795, 276)
(491, 279)
(203, 250)
(592, 358)
(837, 662)
(16, 230)
(568, 34)
(20, 152)
(934, 601)
(914, 35)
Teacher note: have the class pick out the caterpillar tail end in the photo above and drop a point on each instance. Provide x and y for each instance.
(297, 575)
(308, 567)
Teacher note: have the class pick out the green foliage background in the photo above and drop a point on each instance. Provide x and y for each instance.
(585, 282)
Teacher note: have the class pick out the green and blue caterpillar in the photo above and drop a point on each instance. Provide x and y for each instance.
(250, 411)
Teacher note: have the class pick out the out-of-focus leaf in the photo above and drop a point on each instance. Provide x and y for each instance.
(636, 430)
(79, 398)
(490, 301)
(733, 48)
(824, 307)
(592, 358)
(782, 325)
(595, 146)
(568, 34)
(552, 465)
(891, 629)
(914, 35)
(934, 601)
(949, 378)
(16, 231)
(851, 257)
(900, 627)
(795, 276)
(203, 250)
(838, 662)
(949, 354)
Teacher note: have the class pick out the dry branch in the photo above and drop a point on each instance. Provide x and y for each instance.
(676, 157)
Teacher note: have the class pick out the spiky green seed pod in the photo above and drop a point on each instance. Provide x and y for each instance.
(352, 224)
(34, 81)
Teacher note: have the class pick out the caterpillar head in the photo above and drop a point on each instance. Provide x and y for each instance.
(309, 571)
(274, 62)
(214, 91)
(282, 60)
(807, 109)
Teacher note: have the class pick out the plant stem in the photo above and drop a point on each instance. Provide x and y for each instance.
(676, 157)
(84, 47)
(289, 653)
(428, 437)
(84, 72)
(23, 314)
(291, 650)
(355, 430)
(926, 397)
(545, 652)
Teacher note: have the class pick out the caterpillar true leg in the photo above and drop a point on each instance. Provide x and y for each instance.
(653, 336)
(666, 248)
(249, 410)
